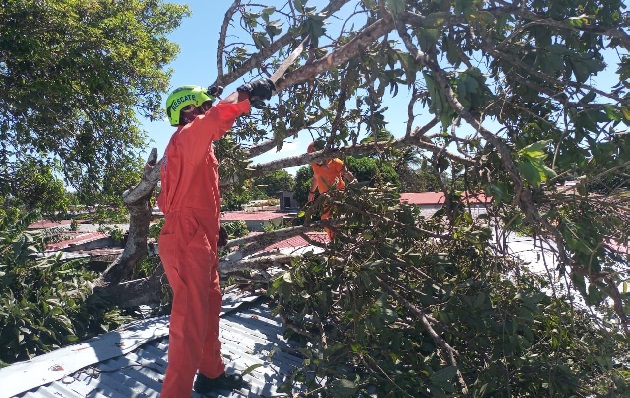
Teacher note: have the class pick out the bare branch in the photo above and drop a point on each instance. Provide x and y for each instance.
(221, 44)
(415, 139)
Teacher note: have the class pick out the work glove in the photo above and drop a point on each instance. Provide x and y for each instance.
(261, 89)
(215, 91)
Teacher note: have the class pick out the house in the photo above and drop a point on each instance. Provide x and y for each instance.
(287, 201)
(431, 202)
(297, 244)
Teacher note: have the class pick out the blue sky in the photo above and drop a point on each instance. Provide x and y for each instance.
(198, 36)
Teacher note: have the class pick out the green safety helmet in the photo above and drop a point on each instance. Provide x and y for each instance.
(184, 96)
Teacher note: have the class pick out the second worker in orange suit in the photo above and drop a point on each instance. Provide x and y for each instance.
(327, 174)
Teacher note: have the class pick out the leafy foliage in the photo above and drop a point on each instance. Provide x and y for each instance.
(386, 309)
(508, 101)
(74, 74)
(372, 171)
(274, 182)
(303, 180)
(33, 185)
(236, 229)
(43, 300)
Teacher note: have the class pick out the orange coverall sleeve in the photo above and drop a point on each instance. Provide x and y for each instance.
(212, 125)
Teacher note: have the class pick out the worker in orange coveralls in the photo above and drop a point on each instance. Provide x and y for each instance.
(326, 175)
(190, 201)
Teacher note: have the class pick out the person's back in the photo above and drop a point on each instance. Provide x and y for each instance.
(189, 175)
(328, 174)
(190, 201)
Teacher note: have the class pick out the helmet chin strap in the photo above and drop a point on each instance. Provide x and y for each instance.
(189, 116)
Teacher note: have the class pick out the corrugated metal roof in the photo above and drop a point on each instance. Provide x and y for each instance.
(130, 362)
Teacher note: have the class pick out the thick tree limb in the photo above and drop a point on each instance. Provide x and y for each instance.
(414, 139)
(268, 145)
(140, 213)
(254, 243)
(343, 54)
(222, 35)
(134, 293)
(257, 59)
(263, 262)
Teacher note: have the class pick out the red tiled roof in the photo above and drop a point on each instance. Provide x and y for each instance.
(251, 215)
(298, 241)
(422, 198)
(437, 198)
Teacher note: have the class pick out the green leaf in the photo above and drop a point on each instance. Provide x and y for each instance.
(343, 388)
(614, 113)
(530, 173)
(484, 17)
(369, 4)
(479, 300)
(273, 29)
(436, 19)
(427, 38)
(535, 149)
(576, 22)
(395, 7)
(444, 374)
(299, 5)
(452, 52)
(251, 368)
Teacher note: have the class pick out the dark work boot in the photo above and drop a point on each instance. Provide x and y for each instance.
(204, 384)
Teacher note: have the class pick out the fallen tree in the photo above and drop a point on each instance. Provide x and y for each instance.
(502, 95)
